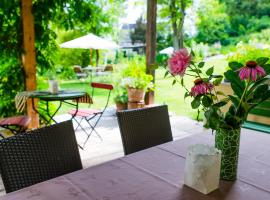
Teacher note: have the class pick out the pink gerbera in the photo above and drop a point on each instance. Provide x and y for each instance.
(252, 69)
(200, 87)
(179, 62)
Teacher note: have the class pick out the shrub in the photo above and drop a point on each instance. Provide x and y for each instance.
(245, 52)
(11, 82)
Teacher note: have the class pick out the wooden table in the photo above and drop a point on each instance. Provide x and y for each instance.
(158, 174)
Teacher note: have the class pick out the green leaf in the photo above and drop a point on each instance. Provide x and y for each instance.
(235, 101)
(235, 65)
(166, 74)
(267, 69)
(192, 53)
(201, 64)
(221, 93)
(206, 101)
(186, 95)
(238, 86)
(174, 81)
(256, 84)
(261, 90)
(216, 76)
(221, 104)
(210, 71)
(237, 90)
(217, 81)
(182, 81)
(261, 61)
(196, 103)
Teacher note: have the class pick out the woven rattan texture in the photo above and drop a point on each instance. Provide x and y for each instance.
(38, 155)
(144, 128)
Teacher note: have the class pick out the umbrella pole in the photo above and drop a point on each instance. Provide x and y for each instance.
(91, 56)
(97, 57)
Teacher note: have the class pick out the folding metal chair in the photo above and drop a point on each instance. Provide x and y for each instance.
(90, 115)
(15, 124)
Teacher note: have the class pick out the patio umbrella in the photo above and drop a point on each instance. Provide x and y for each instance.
(90, 41)
(169, 51)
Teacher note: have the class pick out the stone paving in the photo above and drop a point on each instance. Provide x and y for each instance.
(98, 151)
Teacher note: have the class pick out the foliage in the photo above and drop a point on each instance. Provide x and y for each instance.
(247, 93)
(176, 10)
(139, 33)
(11, 82)
(245, 52)
(82, 15)
(213, 22)
(134, 75)
(247, 16)
(121, 96)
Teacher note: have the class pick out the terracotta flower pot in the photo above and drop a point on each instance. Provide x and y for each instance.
(135, 95)
(135, 105)
(121, 106)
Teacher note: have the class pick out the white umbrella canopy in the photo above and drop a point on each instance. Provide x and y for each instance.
(90, 41)
(169, 51)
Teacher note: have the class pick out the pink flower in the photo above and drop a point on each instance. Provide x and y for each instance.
(200, 87)
(252, 69)
(179, 62)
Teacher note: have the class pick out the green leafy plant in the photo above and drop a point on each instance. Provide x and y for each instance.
(121, 97)
(247, 80)
(134, 76)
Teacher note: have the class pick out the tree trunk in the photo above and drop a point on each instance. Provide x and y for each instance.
(178, 35)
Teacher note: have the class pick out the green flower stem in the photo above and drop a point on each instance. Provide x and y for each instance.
(242, 97)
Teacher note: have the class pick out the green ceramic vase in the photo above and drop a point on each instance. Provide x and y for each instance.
(228, 142)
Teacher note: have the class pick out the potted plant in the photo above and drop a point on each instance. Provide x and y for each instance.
(248, 83)
(121, 100)
(137, 81)
(137, 86)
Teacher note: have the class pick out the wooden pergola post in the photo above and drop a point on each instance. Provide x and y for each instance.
(29, 56)
(151, 43)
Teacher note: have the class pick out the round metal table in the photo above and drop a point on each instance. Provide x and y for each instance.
(63, 96)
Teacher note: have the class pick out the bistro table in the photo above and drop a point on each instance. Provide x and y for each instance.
(157, 174)
(63, 96)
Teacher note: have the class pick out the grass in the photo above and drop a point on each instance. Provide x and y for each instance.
(165, 92)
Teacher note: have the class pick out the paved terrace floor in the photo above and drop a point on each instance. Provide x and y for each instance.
(98, 151)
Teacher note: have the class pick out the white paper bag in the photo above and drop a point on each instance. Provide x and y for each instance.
(202, 168)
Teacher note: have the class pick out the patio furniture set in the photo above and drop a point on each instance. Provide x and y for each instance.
(46, 164)
(71, 98)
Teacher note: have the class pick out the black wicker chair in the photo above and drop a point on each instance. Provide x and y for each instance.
(144, 128)
(38, 155)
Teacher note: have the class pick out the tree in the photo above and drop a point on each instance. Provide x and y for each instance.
(212, 22)
(175, 11)
(247, 16)
(64, 14)
(138, 35)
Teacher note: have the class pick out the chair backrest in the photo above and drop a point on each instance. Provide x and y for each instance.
(144, 128)
(38, 155)
(102, 86)
(84, 99)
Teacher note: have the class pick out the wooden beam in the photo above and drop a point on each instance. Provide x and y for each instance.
(151, 43)
(29, 56)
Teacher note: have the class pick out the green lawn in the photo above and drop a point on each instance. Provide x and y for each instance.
(165, 92)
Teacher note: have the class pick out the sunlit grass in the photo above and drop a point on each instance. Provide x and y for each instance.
(165, 92)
